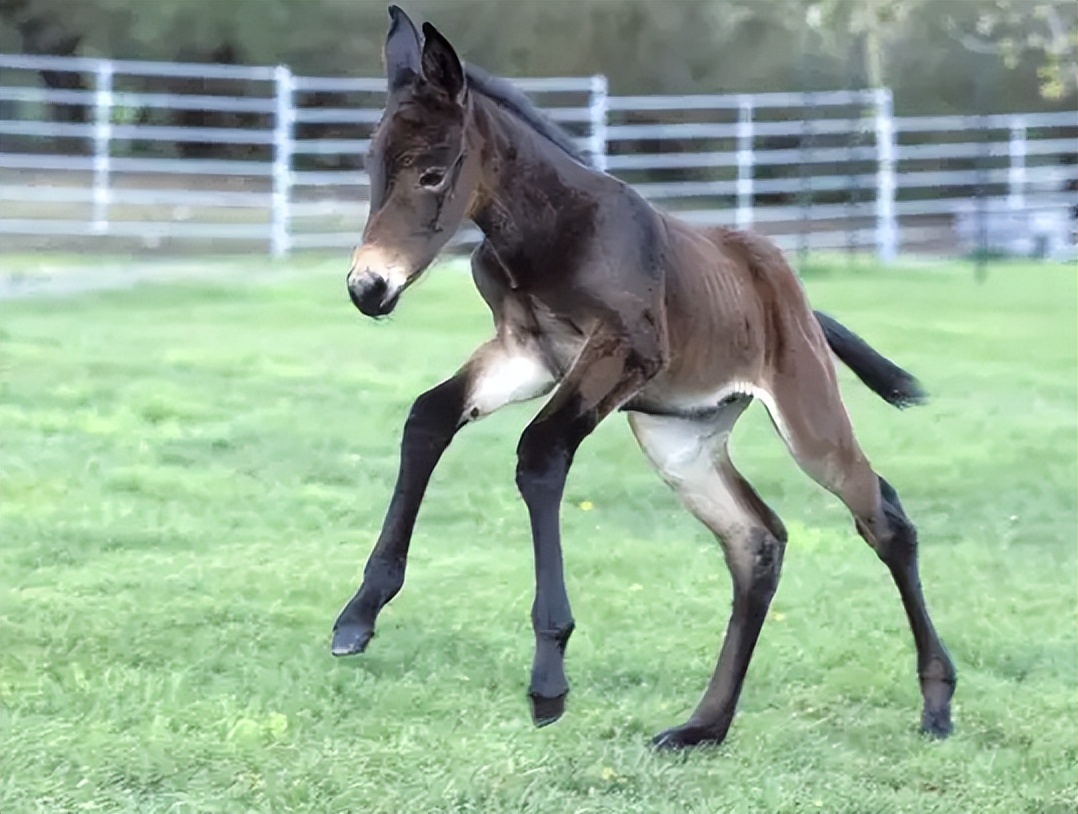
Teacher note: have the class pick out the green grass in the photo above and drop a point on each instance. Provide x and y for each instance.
(193, 475)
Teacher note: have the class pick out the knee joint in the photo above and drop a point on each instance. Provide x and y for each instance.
(559, 635)
(540, 472)
(771, 521)
(767, 554)
(431, 417)
(542, 462)
(892, 535)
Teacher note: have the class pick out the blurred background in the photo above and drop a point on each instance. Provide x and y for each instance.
(864, 126)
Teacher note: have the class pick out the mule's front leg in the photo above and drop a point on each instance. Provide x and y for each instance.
(498, 373)
(544, 455)
(432, 422)
(604, 376)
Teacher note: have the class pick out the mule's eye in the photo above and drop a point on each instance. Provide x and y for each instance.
(431, 178)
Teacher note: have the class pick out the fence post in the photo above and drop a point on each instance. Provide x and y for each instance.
(285, 116)
(597, 110)
(102, 144)
(804, 177)
(1016, 172)
(886, 223)
(745, 161)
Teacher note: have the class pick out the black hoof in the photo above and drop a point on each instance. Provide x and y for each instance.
(686, 737)
(936, 724)
(937, 686)
(350, 639)
(546, 711)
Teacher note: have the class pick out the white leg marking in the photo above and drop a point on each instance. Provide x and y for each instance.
(508, 379)
(689, 456)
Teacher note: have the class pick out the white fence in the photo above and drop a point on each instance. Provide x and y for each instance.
(816, 169)
(213, 156)
(839, 170)
(99, 176)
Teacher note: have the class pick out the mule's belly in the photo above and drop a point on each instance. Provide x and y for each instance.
(714, 358)
(660, 397)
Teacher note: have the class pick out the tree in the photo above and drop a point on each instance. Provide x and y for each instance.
(873, 24)
(645, 46)
(1045, 31)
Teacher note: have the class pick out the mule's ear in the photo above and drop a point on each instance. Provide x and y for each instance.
(402, 51)
(441, 65)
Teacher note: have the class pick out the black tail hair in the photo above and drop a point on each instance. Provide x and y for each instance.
(882, 376)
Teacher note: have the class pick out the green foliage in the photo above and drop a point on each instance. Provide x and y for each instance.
(928, 51)
(1046, 30)
(192, 475)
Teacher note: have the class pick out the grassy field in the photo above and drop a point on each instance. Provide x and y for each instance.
(193, 474)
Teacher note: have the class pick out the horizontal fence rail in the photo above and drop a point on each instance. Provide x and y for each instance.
(163, 155)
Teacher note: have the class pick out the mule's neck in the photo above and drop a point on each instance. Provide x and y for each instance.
(535, 203)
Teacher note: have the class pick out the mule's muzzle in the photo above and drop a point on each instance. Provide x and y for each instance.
(371, 293)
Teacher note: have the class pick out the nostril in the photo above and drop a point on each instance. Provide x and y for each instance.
(368, 292)
(377, 288)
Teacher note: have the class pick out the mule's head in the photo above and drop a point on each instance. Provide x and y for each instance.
(422, 175)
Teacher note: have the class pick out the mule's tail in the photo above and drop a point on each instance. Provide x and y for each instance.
(893, 384)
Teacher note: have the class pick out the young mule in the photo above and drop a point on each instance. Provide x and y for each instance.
(612, 305)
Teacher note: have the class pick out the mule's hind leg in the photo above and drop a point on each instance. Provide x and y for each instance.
(896, 545)
(691, 456)
(809, 414)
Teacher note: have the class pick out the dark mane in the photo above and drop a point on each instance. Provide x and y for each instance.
(503, 93)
